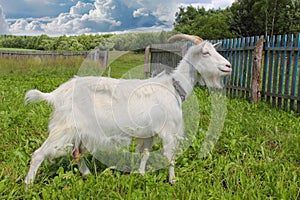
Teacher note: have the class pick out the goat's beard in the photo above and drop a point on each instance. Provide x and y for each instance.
(212, 82)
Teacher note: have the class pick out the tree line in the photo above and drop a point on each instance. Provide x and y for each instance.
(121, 42)
(243, 18)
(47, 43)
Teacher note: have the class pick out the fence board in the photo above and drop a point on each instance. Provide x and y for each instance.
(288, 71)
(249, 70)
(275, 75)
(244, 67)
(294, 74)
(268, 68)
(297, 57)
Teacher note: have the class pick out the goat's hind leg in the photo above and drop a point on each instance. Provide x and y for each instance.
(36, 160)
(83, 168)
(51, 148)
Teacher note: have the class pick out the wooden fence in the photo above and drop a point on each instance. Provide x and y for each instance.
(262, 68)
(164, 57)
(95, 55)
(23, 55)
(281, 74)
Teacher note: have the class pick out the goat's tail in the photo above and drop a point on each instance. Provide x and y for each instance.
(36, 96)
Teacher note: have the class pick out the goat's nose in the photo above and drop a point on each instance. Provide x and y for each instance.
(228, 65)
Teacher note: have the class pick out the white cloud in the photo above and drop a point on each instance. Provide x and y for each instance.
(222, 4)
(208, 4)
(3, 23)
(141, 12)
(103, 16)
(22, 25)
(163, 10)
(107, 16)
(193, 1)
(81, 8)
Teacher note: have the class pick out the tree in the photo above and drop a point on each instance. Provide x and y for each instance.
(243, 18)
(211, 24)
(265, 17)
(242, 23)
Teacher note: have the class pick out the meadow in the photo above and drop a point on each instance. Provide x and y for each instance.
(256, 157)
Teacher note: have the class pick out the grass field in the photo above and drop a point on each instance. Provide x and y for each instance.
(257, 156)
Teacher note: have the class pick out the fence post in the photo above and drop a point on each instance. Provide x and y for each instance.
(105, 60)
(146, 61)
(257, 62)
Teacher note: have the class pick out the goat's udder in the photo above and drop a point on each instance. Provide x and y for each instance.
(76, 155)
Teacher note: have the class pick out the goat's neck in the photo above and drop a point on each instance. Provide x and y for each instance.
(187, 76)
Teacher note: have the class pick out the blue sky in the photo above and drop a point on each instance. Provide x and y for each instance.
(72, 17)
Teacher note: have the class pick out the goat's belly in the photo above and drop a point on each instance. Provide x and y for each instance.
(138, 118)
(111, 124)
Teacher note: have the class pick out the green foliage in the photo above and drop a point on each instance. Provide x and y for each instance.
(257, 156)
(211, 24)
(120, 42)
(265, 17)
(243, 18)
(134, 41)
(61, 43)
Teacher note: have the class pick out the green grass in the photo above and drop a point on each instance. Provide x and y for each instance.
(122, 62)
(257, 156)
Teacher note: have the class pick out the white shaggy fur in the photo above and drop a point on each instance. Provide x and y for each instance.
(97, 112)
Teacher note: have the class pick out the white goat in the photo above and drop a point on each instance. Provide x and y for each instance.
(92, 113)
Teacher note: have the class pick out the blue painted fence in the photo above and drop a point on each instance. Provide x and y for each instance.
(279, 77)
(240, 53)
(280, 74)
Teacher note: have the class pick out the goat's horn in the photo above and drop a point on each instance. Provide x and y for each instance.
(194, 39)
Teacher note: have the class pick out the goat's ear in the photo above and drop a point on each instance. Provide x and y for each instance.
(217, 45)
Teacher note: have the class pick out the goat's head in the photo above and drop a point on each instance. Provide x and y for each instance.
(206, 60)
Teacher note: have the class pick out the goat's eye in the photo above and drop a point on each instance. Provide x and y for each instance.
(206, 53)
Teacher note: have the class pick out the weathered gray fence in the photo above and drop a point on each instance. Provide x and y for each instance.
(164, 57)
(23, 55)
(262, 68)
(95, 55)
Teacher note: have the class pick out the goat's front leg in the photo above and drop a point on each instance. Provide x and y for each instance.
(144, 148)
(172, 172)
(144, 161)
(169, 146)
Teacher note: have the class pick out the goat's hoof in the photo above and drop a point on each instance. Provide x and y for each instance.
(27, 186)
(142, 173)
(85, 176)
(172, 182)
(28, 180)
